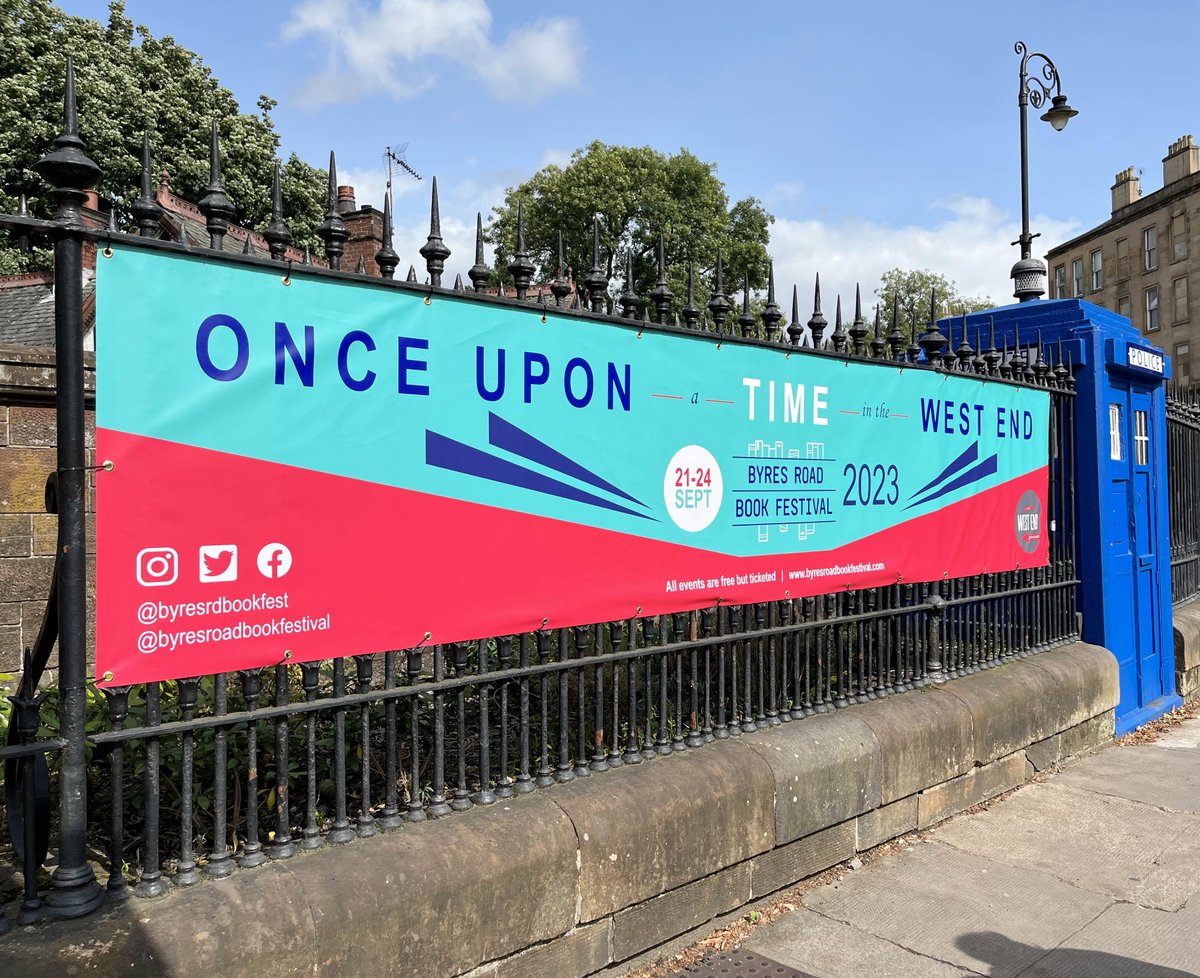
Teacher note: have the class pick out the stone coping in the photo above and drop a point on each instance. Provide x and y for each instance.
(572, 879)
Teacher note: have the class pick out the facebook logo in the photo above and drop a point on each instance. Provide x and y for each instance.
(274, 560)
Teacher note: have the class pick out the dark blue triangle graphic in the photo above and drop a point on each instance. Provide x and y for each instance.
(965, 459)
(446, 453)
(981, 471)
(503, 434)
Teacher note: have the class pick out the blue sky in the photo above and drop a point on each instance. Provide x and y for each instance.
(878, 134)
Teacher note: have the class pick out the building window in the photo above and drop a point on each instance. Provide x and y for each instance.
(1179, 290)
(1077, 276)
(1150, 249)
(1097, 271)
(1123, 307)
(1179, 245)
(1060, 282)
(1151, 309)
(1141, 437)
(1114, 432)
(1122, 259)
(1182, 364)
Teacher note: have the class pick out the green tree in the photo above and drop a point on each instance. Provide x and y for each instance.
(912, 288)
(129, 81)
(637, 194)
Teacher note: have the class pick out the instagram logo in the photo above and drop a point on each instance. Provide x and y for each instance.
(157, 566)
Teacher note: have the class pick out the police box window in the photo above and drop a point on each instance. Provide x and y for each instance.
(1141, 437)
(1114, 432)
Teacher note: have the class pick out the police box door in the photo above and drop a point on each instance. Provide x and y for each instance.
(1132, 540)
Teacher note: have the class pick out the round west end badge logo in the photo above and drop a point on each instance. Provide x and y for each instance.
(1029, 521)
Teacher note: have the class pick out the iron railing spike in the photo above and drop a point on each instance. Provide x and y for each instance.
(147, 211)
(794, 330)
(215, 205)
(479, 273)
(386, 258)
(771, 313)
(661, 295)
(817, 321)
(277, 232)
(718, 303)
(434, 250)
(521, 268)
(332, 230)
(691, 311)
(746, 320)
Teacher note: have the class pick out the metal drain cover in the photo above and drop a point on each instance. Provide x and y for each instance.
(743, 964)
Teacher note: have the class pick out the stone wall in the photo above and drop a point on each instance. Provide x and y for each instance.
(1187, 650)
(585, 877)
(28, 534)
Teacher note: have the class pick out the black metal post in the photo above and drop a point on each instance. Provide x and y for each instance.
(1029, 273)
(70, 172)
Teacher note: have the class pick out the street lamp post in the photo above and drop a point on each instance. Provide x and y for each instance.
(1029, 274)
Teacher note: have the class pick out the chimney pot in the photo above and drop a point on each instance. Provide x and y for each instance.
(1126, 189)
(1182, 159)
(345, 200)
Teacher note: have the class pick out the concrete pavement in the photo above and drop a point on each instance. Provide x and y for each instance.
(1093, 872)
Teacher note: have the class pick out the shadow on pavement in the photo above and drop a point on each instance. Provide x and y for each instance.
(1008, 957)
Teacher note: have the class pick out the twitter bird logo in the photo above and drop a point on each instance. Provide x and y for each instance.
(218, 563)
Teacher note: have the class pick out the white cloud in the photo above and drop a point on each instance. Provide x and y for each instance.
(971, 246)
(559, 157)
(391, 47)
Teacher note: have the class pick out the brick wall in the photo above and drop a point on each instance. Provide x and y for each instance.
(366, 238)
(28, 534)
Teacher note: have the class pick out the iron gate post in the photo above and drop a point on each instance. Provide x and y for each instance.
(70, 172)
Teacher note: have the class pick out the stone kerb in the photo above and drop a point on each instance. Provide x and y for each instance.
(570, 881)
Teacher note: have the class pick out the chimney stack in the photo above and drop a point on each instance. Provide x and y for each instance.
(1182, 159)
(345, 200)
(1125, 190)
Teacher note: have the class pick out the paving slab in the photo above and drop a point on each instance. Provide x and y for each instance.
(1162, 778)
(924, 898)
(1106, 844)
(1127, 942)
(827, 948)
(1184, 737)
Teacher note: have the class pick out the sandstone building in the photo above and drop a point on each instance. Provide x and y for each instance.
(1141, 261)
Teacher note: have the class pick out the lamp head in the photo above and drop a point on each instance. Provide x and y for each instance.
(1060, 113)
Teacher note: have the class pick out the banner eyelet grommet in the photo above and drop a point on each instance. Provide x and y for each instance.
(107, 251)
(108, 676)
(428, 300)
(287, 276)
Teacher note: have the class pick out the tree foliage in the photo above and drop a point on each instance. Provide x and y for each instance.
(913, 288)
(129, 81)
(637, 194)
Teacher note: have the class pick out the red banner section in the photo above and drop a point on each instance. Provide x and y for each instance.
(276, 563)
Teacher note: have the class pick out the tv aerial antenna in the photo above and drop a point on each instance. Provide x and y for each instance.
(396, 155)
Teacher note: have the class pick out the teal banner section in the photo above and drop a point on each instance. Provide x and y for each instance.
(662, 434)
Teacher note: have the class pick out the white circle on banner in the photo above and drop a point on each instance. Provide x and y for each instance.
(692, 488)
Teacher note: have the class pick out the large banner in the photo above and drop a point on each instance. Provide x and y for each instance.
(309, 468)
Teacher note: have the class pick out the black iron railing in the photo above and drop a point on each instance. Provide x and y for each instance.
(207, 776)
(1183, 482)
